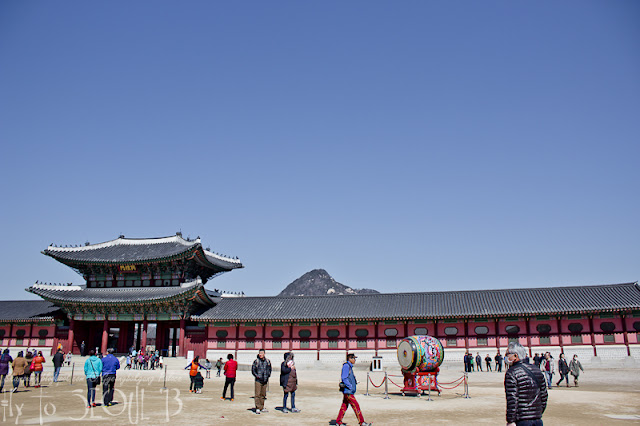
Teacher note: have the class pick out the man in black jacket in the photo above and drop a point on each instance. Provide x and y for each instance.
(58, 360)
(525, 389)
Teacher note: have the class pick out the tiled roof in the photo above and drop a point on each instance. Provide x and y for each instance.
(118, 295)
(132, 250)
(27, 310)
(450, 304)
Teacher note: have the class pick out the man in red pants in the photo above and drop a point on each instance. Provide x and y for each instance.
(348, 386)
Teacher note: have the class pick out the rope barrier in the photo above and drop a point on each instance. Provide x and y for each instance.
(374, 385)
(396, 383)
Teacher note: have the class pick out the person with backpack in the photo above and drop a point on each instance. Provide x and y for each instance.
(525, 389)
(219, 366)
(5, 360)
(348, 389)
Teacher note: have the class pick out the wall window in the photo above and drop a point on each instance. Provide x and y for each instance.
(513, 339)
(222, 343)
(221, 334)
(481, 329)
(250, 344)
(362, 333)
(576, 339)
(543, 328)
(277, 344)
(250, 335)
(304, 344)
(607, 327)
(546, 340)
(483, 341)
(636, 325)
(421, 331)
(452, 342)
(333, 344)
(392, 342)
(575, 327)
(333, 334)
(391, 332)
(362, 343)
(277, 334)
(608, 338)
(304, 334)
(43, 336)
(451, 331)
(512, 329)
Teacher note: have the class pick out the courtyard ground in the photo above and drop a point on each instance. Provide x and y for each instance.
(605, 396)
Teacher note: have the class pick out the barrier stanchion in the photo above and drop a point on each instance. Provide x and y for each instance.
(367, 392)
(386, 386)
(466, 386)
(164, 385)
(73, 366)
(429, 386)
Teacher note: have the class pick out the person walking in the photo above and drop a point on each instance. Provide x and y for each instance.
(547, 368)
(219, 366)
(471, 364)
(69, 358)
(18, 366)
(478, 361)
(574, 369)
(289, 382)
(348, 387)
(110, 365)
(58, 361)
(261, 370)
(230, 368)
(26, 377)
(498, 359)
(37, 368)
(193, 370)
(208, 366)
(563, 369)
(92, 371)
(82, 348)
(488, 360)
(525, 389)
(5, 360)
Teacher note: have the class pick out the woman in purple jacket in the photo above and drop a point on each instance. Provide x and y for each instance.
(5, 360)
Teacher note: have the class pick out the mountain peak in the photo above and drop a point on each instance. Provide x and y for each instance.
(318, 282)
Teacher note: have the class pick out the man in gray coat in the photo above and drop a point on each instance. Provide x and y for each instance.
(261, 370)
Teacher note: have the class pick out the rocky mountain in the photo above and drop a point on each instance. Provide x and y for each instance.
(319, 283)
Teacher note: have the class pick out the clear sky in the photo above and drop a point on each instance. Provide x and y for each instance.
(401, 146)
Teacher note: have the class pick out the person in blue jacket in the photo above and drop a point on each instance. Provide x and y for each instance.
(109, 366)
(348, 398)
(92, 370)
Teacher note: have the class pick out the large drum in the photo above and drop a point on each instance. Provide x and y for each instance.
(420, 354)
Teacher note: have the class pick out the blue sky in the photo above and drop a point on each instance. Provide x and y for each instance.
(412, 146)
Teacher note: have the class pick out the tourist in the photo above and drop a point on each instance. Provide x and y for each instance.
(82, 348)
(289, 382)
(208, 366)
(537, 360)
(488, 360)
(478, 361)
(471, 365)
(26, 377)
(58, 361)
(348, 387)
(19, 366)
(128, 366)
(69, 358)
(5, 359)
(547, 368)
(230, 368)
(467, 365)
(37, 368)
(261, 370)
(563, 369)
(92, 371)
(160, 362)
(574, 368)
(193, 370)
(109, 366)
(498, 360)
(198, 382)
(524, 388)
(219, 366)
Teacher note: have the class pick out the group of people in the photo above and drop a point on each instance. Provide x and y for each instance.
(545, 363)
(261, 370)
(101, 369)
(21, 368)
(475, 364)
(140, 360)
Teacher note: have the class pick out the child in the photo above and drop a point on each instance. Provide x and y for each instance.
(198, 382)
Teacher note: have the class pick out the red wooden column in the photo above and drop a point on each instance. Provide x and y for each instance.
(593, 337)
(10, 334)
(291, 336)
(497, 335)
(237, 342)
(105, 336)
(347, 341)
(528, 335)
(559, 319)
(626, 336)
(376, 323)
(143, 342)
(318, 342)
(466, 334)
(70, 335)
(30, 335)
(181, 338)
